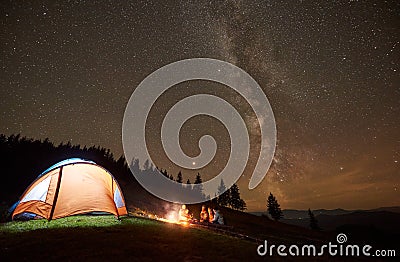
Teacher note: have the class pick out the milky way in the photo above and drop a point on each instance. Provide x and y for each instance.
(330, 71)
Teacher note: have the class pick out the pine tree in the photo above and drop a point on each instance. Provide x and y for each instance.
(235, 202)
(242, 205)
(224, 194)
(274, 208)
(198, 187)
(179, 178)
(198, 179)
(188, 185)
(313, 221)
(146, 165)
(165, 173)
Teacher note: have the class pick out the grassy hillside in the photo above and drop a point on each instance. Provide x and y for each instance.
(264, 228)
(104, 238)
(82, 238)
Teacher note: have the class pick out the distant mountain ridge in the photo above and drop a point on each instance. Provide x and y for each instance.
(383, 219)
(302, 214)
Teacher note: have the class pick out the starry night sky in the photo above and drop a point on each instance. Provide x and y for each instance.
(330, 71)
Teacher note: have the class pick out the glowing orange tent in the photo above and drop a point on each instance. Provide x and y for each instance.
(70, 187)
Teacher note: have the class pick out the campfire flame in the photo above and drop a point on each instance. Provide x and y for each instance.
(172, 217)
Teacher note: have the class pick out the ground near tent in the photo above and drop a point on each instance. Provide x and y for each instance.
(82, 238)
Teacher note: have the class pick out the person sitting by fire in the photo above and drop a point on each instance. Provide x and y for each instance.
(218, 218)
(203, 215)
(210, 215)
(184, 215)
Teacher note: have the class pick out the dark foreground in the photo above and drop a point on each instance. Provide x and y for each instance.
(104, 238)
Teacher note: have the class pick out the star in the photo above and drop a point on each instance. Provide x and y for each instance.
(68, 72)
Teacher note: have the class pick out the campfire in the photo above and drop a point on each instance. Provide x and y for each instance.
(172, 217)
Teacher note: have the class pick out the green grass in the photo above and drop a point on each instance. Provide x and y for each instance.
(106, 238)
(73, 221)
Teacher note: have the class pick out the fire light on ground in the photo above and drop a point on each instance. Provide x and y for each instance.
(172, 217)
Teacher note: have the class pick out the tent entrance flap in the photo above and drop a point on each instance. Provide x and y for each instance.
(56, 194)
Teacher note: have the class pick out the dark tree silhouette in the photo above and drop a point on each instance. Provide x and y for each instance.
(274, 208)
(235, 202)
(179, 177)
(146, 165)
(198, 179)
(189, 185)
(165, 173)
(313, 221)
(197, 186)
(224, 194)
